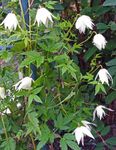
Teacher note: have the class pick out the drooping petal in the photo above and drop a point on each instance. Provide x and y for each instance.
(99, 41)
(43, 16)
(25, 83)
(104, 76)
(84, 22)
(10, 22)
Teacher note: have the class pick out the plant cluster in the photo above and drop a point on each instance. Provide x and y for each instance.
(48, 97)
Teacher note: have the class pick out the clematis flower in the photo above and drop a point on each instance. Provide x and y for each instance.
(84, 22)
(82, 131)
(104, 76)
(10, 21)
(19, 105)
(43, 16)
(99, 111)
(6, 111)
(99, 41)
(2, 93)
(25, 83)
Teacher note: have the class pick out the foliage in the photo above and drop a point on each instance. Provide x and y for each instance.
(64, 92)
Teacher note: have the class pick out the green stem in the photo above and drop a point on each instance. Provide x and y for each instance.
(22, 14)
(72, 25)
(89, 37)
(5, 131)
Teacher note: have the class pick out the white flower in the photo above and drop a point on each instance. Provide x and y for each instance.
(99, 41)
(82, 131)
(10, 21)
(87, 124)
(25, 83)
(100, 112)
(104, 76)
(6, 111)
(2, 93)
(43, 16)
(84, 22)
(19, 105)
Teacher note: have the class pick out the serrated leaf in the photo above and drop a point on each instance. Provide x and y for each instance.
(63, 144)
(69, 136)
(73, 145)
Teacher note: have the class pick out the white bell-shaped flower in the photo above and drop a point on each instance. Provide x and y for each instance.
(99, 111)
(2, 93)
(99, 41)
(6, 111)
(43, 16)
(10, 21)
(25, 84)
(82, 131)
(84, 22)
(104, 76)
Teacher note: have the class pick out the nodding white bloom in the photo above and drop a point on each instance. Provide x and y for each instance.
(19, 105)
(10, 21)
(2, 93)
(43, 16)
(6, 111)
(100, 112)
(84, 22)
(82, 131)
(25, 83)
(99, 41)
(104, 76)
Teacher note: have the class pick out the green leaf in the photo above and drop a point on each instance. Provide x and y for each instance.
(111, 62)
(72, 145)
(110, 97)
(111, 141)
(90, 53)
(37, 90)
(105, 131)
(33, 97)
(32, 57)
(37, 99)
(113, 26)
(70, 96)
(69, 136)
(97, 88)
(63, 144)
(102, 26)
(41, 144)
(9, 145)
(30, 99)
(109, 3)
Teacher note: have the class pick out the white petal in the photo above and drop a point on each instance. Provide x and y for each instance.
(104, 76)
(10, 22)
(2, 93)
(84, 22)
(25, 83)
(99, 41)
(43, 16)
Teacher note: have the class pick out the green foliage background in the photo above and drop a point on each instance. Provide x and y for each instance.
(64, 92)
